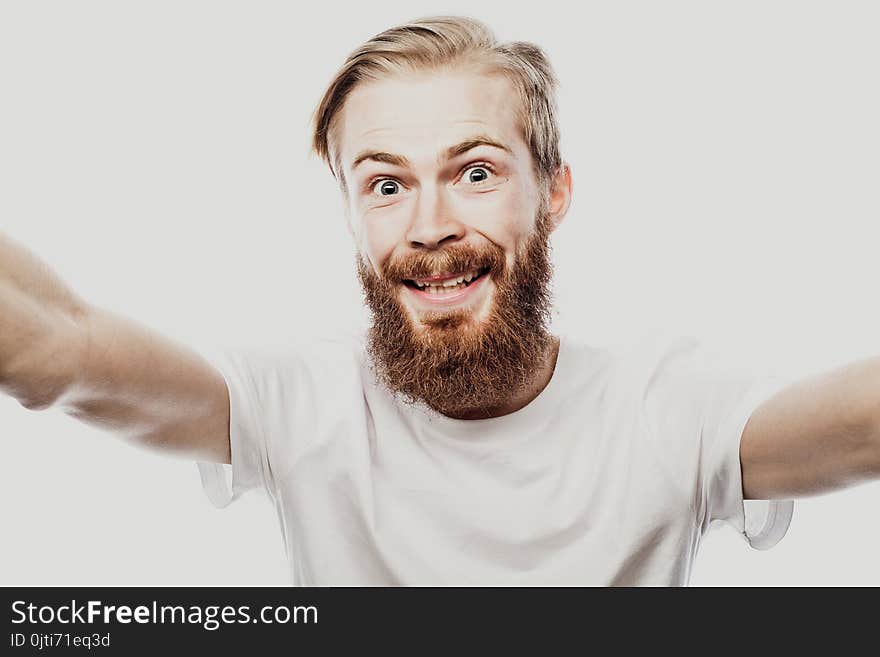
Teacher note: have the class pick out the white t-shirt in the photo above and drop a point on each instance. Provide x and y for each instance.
(611, 476)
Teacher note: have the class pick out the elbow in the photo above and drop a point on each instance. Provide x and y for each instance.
(43, 392)
(38, 402)
(44, 371)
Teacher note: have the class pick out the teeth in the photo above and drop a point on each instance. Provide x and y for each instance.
(452, 282)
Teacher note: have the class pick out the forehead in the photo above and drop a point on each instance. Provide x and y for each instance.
(419, 115)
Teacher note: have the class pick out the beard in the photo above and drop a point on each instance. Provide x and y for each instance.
(455, 363)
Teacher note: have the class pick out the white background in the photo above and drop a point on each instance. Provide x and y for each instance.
(725, 160)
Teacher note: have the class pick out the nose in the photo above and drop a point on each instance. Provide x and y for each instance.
(433, 224)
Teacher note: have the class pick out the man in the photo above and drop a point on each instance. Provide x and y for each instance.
(462, 443)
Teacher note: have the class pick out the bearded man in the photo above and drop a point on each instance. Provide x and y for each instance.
(461, 442)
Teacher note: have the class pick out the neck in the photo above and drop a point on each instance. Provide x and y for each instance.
(540, 379)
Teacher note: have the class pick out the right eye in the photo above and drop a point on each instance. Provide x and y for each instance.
(386, 187)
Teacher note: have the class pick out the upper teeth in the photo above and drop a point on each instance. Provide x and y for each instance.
(450, 282)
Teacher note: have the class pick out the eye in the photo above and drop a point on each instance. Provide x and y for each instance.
(477, 174)
(385, 187)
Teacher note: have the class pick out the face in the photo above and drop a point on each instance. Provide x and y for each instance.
(452, 232)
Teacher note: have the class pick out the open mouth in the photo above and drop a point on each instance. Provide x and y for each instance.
(446, 284)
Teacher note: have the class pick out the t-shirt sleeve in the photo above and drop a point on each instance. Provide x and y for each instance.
(250, 468)
(701, 409)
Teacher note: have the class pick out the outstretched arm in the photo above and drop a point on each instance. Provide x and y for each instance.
(815, 436)
(57, 351)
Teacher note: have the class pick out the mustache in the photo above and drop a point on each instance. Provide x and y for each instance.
(452, 259)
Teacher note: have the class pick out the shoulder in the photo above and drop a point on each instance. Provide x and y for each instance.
(667, 366)
(659, 361)
(302, 365)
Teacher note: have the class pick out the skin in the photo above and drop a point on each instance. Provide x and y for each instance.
(816, 436)
(488, 194)
(57, 350)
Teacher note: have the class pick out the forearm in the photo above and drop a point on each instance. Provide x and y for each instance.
(147, 389)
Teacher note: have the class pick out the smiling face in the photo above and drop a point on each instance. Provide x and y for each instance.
(451, 226)
(433, 161)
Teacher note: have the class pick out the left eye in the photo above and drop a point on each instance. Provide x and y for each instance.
(386, 187)
(477, 174)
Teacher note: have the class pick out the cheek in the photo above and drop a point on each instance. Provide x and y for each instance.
(377, 241)
(510, 207)
(505, 220)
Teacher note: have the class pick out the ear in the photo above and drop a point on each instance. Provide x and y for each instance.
(560, 195)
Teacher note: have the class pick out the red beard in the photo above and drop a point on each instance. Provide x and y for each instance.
(456, 366)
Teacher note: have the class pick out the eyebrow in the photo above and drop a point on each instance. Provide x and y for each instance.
(450, 153)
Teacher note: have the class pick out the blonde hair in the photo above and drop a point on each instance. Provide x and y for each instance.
(445, 41)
